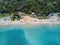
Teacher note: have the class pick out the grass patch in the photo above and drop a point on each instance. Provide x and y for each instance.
(4, 15)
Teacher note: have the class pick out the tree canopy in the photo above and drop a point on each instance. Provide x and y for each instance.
(27, 6)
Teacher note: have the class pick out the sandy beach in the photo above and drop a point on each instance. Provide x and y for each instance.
(27, 20)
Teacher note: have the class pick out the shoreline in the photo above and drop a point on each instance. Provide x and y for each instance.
(27, 20)
(28, 23)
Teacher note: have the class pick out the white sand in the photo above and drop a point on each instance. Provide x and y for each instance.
(27, 20)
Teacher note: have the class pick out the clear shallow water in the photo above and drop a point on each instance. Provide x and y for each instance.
(30, 35)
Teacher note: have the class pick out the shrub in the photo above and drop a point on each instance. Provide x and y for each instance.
(58, 15)
(12, 18)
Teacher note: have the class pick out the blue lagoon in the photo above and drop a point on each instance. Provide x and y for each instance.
(30, 35)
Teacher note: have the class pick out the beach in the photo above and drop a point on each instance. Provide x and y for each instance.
(27, 20)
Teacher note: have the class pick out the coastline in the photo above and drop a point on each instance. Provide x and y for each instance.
(40, 22)
(27, 20)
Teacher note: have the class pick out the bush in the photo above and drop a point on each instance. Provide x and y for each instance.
(58, 15)
(40, 17)
(19, 17)
(12, 18)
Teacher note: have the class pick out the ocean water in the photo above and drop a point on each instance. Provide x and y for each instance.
(30, 35)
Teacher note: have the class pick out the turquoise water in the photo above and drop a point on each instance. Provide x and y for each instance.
(30, 35)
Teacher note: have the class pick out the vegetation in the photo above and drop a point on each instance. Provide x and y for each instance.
(43, 7)
(58, 15)
(4, 15)
(40, 17)
(12, 18)
(19, 18)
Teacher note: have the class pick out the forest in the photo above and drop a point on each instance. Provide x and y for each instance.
(39, 7)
